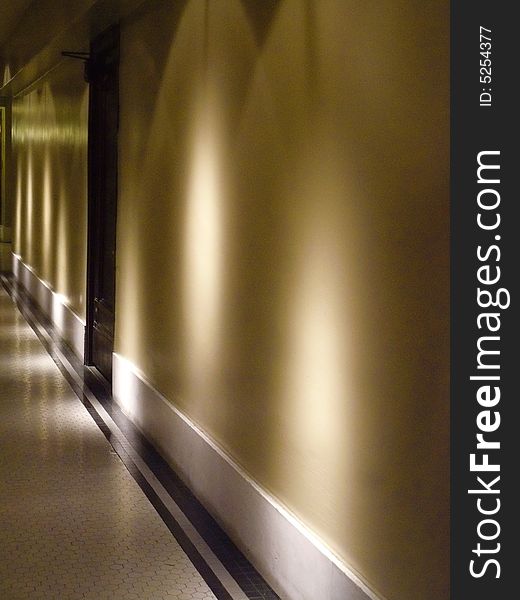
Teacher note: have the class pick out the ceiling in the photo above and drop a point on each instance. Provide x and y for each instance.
(33, 34)
(11, 12)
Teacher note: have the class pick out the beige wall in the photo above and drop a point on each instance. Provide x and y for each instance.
(283, 257)
(50, 177)
(282, 250)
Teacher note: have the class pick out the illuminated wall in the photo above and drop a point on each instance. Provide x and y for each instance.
(4, 212)
(282, 253)
(50, 177)
(282, 261)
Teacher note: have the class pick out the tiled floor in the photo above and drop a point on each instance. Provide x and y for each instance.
(73, 521)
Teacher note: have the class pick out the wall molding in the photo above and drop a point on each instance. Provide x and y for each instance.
(289, 556)
(67, 323)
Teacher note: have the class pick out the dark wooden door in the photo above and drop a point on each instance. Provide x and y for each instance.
(103, 75)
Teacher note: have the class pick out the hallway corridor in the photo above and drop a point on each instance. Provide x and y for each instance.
(225, 226)
(74, 522)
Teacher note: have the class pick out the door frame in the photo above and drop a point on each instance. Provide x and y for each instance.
(105, 39)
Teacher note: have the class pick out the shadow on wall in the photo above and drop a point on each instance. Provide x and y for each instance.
(283, 257)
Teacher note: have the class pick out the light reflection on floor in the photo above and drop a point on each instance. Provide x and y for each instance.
(74, 523)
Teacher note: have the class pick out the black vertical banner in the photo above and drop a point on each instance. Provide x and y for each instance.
(485, 245)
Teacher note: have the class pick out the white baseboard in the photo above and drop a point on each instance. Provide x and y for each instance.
(290, 557)
(69, 326)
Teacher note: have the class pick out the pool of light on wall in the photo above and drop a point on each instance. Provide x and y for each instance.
(203, 249)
